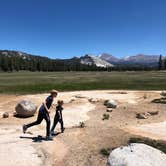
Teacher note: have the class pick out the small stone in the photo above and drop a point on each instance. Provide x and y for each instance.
(109, 110)
(141, 116)
(110, 104)
(5, 115)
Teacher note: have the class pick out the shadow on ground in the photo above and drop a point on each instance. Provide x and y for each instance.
(37, 139)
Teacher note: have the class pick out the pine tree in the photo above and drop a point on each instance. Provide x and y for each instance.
(160, 62)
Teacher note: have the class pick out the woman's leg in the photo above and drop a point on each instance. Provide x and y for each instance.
(38, 121)
(47, 118)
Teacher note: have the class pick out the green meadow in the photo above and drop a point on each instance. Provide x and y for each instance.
(39, 82)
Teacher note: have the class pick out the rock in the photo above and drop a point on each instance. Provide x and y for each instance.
(5, 115)
(109, 110)
(153, 112)
(141, 116)
(110, 104)
(163, 93)
(25, 108)
(72, 100)
(136, 155)
(93, 100)
(145, 115)
(79, 96)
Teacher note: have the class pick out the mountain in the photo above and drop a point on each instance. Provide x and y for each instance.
(137, 60)
(142, 59)
(94, 60)
(109, 58)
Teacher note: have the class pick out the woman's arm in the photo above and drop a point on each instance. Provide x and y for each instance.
(45, 106)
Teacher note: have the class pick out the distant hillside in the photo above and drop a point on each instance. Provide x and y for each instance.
(16, 60)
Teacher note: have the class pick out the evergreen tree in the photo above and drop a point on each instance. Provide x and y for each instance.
(160, 62)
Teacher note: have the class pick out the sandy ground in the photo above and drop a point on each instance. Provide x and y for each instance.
(79, 146)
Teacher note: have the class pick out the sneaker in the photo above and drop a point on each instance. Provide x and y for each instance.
(53, 133)
(49, 138)
(24, 128)
(62, 130)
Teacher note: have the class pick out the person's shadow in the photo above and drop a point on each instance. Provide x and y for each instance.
(37, 139)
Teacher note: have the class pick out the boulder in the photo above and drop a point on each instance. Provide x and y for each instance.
(110, 104)
(136, 154)
(5, 115)
(25, 108)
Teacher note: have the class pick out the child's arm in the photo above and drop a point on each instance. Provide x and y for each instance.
(59, 115)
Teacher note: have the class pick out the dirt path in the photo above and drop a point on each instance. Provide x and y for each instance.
(79, 146)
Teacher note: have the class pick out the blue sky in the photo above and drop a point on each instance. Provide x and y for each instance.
(67, 28)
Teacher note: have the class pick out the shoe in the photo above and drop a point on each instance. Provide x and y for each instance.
(49, 138)
(53, 133)
(24, 128)
(62, 130)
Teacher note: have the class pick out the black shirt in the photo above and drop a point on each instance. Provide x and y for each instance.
(49, 101)
(59, 108)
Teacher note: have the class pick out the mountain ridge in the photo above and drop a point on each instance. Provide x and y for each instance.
(103, 60)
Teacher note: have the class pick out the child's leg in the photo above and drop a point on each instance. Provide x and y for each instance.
(56, 119)
(62, 127)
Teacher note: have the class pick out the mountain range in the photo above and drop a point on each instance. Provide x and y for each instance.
(104, 60)
(139, 59)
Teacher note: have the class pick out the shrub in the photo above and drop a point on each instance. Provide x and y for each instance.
(105, 152)
(106, 116)
(82, 125)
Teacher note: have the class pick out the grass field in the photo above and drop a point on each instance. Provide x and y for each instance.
(39, 82)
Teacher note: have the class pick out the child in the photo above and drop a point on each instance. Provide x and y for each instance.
(58, 117)
(44, 114)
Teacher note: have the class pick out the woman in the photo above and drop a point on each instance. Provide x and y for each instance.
(44, 114)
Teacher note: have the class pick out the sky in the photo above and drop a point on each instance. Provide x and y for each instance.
(67, 28)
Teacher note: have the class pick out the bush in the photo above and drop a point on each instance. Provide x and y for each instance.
(105, 152)
(106, 116)
(82, 125)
